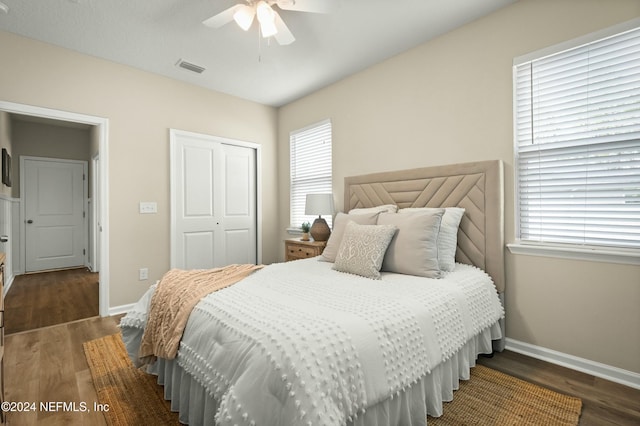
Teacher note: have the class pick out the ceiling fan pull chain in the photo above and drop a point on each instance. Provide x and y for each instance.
(259, 46)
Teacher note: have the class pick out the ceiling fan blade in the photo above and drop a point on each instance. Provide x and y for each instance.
(283, 36)
(222, 18)
(313, 6)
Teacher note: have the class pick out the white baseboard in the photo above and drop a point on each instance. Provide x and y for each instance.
(604, 371)
(122, 309)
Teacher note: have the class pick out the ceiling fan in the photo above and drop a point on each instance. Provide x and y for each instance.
(271, 24)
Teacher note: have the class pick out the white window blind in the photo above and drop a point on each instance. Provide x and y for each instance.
(311, 173)
(577, 131)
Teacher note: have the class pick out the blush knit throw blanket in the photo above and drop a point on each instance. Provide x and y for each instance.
(177, 294)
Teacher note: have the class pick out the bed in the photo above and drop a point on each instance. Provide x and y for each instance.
(312, 342)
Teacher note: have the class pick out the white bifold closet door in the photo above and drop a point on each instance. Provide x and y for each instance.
(213, 202)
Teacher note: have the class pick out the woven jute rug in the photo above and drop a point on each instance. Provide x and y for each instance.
(495, 398)
(133, 396)
(489, 398)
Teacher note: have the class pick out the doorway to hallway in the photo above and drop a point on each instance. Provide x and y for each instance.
(99, 217)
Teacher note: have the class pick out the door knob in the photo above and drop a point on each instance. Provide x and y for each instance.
(4, 239)
(29, 221)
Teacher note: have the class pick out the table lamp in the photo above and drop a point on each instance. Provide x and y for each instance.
(319, 204)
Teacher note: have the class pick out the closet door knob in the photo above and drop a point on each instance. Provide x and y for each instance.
(29, 221)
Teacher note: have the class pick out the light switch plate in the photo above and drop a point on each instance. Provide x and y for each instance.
(147, 207)
(143, 274)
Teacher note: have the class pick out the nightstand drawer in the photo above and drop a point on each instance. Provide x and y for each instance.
(301, 252)
(298, 249)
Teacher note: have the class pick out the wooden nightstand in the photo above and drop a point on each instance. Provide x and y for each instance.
(294, 248)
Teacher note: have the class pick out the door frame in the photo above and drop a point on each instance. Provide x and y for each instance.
(173, 135)
(85, 206)
(94, 227)
(101, 133)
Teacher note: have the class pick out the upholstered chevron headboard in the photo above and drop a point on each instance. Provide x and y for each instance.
(478, 187)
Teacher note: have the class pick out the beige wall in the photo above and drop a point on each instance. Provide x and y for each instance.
(141, 107)
(45, 140)
(450, 101)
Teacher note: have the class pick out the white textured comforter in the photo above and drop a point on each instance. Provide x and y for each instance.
(299, 343)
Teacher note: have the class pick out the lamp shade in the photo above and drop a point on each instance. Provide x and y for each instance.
(319, 204)
(268, 28)
(244, 16)
(267, 19)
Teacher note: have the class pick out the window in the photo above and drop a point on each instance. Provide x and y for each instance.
(310, 157)
(577, 144)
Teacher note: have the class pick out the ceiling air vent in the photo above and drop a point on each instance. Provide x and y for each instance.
(189, 66)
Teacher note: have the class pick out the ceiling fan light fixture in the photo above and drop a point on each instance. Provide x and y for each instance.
(268, 29)
(267, 19)
(264, 11)
(244, 17)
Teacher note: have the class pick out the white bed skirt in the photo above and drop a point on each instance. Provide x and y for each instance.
(410, 407)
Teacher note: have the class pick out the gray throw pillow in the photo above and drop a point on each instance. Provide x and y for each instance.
(414, 249)
(448, 237)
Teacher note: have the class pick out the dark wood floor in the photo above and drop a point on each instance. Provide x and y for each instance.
(49, 364)
(603, 402)
(49, 298)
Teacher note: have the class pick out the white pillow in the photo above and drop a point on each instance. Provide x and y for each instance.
(387, 208)
(448, 237)
(362, 249)
(339, 224)
(414, 248)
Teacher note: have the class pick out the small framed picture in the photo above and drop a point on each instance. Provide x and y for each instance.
(6, 167)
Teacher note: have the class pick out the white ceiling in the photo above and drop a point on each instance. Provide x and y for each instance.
(153, 35)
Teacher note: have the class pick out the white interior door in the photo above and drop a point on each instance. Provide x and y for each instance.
(54, 193)
(213, 202)
(239, 205)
